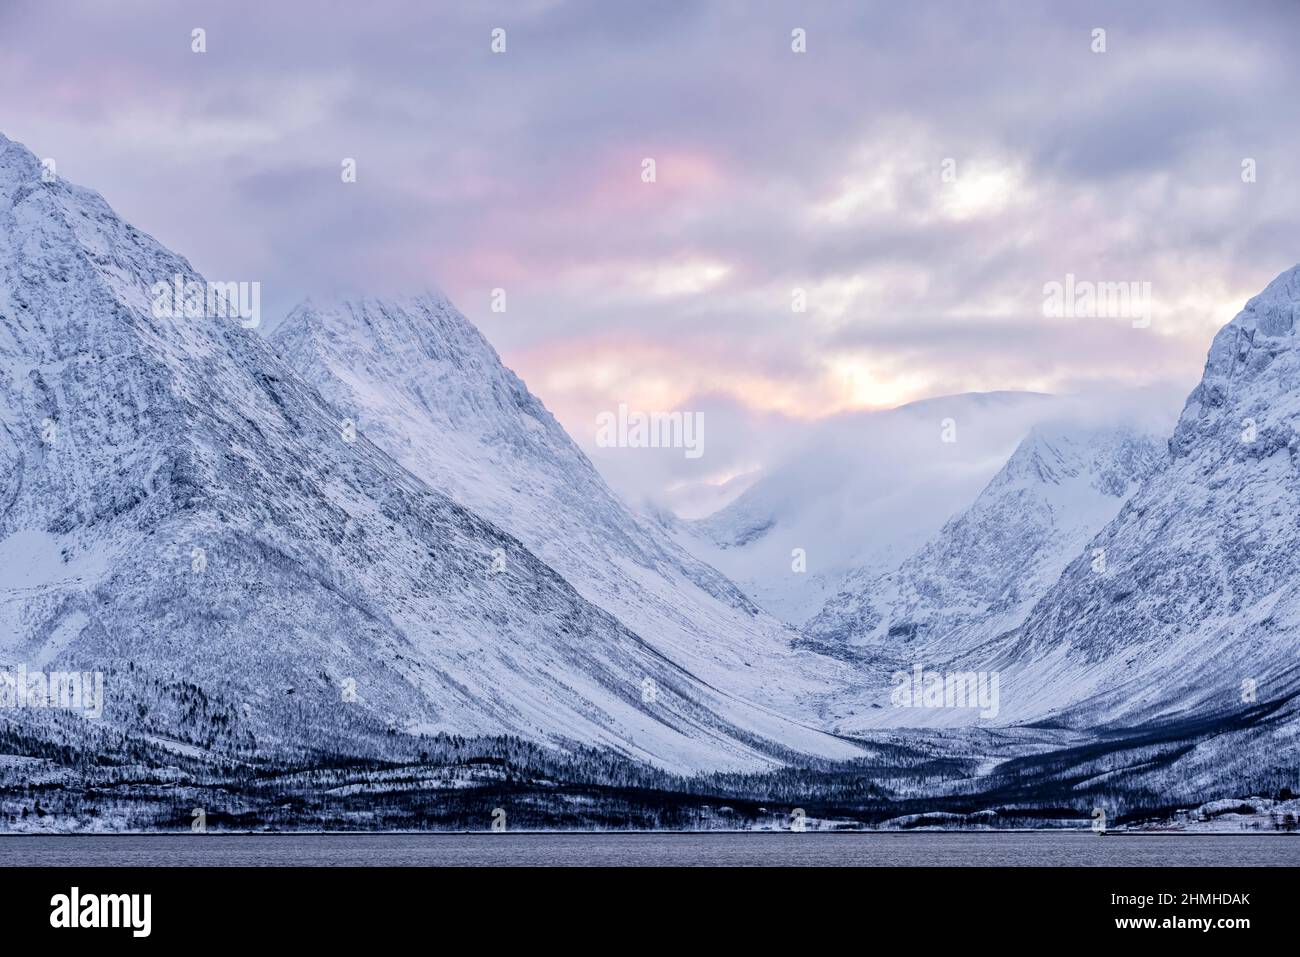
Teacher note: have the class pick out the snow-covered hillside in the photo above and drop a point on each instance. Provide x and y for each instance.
(981, 573)
(251, 572)
(1198, 607)
(424, 385)
(860, 493)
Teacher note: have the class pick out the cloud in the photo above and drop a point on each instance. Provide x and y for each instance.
(777, 173)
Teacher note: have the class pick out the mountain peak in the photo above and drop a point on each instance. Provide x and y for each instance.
(7, 144)
(1273, 311)
(426, 352)
(18, 166)
(1109, 456)
(425, 316)
(421, 383)
(982, 572)
(1196, 590)
(21, 172)
(1285, 286)
(1247, 384)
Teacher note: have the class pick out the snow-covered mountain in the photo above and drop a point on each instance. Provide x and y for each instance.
(1197, 610)
(860, 493)
(1170, 636)
(294, 553)
(179, 509)
(982, 572)
(422, 383)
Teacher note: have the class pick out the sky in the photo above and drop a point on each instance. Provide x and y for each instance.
(868, 222)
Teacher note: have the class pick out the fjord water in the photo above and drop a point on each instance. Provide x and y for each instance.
(939, 849)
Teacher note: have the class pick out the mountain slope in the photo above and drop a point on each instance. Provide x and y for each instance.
(1198, 609)
(423, 384)
(180, 510)
(980, 575)
(861, 492)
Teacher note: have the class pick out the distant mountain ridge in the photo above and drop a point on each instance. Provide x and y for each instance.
(981, 573)
(861, 491)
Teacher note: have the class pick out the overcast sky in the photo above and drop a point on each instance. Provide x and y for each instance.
(821, 171)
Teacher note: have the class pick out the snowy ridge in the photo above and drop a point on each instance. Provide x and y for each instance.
(1198, 607)
(423, 384)
(980, 575)
(861, 493)
(326, 564)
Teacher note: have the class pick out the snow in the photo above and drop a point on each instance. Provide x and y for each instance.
(33, 558)
(864, 491)
(981, 573)
(374, 561)
(326, 560)
(423, 384)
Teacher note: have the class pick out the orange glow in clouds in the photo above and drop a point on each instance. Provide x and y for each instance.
(580, 379)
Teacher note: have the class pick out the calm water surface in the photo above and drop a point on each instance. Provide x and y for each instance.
(656, 850)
